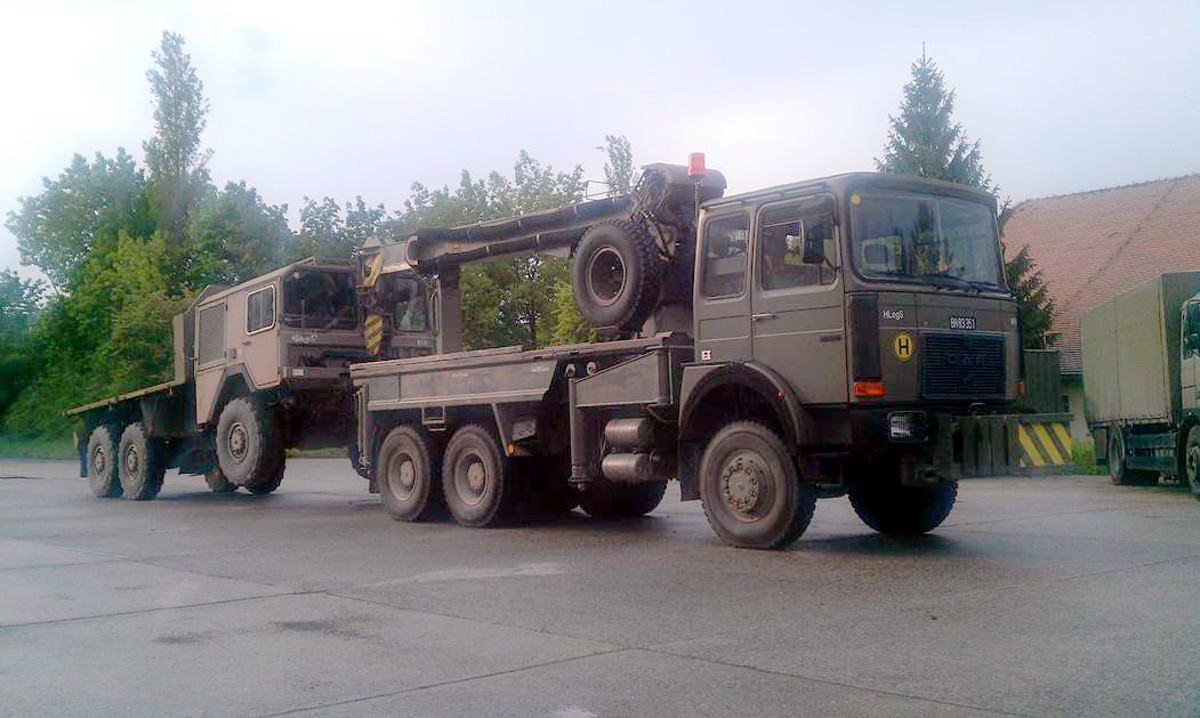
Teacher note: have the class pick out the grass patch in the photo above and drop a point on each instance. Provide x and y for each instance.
(1085, 459)
(38, 447)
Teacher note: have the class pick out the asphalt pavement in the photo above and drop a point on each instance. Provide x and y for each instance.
(1038, 596)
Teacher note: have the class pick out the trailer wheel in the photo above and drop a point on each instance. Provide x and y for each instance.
(217, 483)
(615, 275)
(477, 478)
(141, 465)
(1191, 458)
(892, 508)
(603, 500)
(247, 445)
(751, 490)
(1121, 474)
(103, 478)
(409, 477)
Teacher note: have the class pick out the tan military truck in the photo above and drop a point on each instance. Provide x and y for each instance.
(765, 349)
(1141, 380)
(259, 368)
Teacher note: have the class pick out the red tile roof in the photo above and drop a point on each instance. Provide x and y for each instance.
(1094, 245)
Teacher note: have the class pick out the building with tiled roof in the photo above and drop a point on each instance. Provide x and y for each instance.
(1094, 245)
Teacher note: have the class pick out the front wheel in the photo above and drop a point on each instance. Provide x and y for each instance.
(893, 508)
(248, 450)
(751, 490)
(1191, 461)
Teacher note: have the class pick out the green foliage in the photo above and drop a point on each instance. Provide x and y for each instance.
(1033, 300)
(925, 141)
(176, 162)
(25, 447)
(234, 236)
(618, 169)
(569, 325)
(325, 233)
(79, 213)
(19, 304)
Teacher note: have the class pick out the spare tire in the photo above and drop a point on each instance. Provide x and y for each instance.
(615, 275)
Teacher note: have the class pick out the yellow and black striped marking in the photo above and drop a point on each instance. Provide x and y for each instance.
(1045, 444)
(374, 333)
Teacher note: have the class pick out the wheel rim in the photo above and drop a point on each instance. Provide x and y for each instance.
(471, 479)
(239, 442)
(100, 461)
(402, 476)
(606, 276)
(133, 460)
(746, 486)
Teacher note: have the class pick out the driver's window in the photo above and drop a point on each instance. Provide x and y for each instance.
(782, 232)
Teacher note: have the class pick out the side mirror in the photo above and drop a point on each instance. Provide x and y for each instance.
(1191, 333)
(814, 250)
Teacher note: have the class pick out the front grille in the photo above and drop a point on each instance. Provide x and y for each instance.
(962, 366)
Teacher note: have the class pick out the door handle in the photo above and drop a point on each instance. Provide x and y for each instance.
(761, 316)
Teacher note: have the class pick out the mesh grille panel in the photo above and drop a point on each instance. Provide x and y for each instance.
(967, 366)
(212, 334)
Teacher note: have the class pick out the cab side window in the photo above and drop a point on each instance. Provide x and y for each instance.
(782, 232)
(725, 247)
(260, 310)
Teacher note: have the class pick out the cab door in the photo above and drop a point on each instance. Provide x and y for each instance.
(722, 306)
(797, 325)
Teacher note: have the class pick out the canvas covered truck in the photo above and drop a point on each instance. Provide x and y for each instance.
(259, 368)
(1141, 365)
(764, 349)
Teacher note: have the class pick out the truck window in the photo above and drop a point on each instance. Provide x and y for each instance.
(406, 296)
(782, 230)
(260, 310)
(317, 299)
(725, 243)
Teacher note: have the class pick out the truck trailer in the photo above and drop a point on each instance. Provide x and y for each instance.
(764, 349)
(1140, 364)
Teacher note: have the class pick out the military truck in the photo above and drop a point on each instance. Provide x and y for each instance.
(1141, 361)
(259, 368)
(764, 349)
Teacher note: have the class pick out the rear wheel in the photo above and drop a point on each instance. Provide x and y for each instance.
(1121, 474)
(409, 476)
(751, 490)
(892, 508)
(1191, 460)
(141, 464)
(603, 500)
(103, 478)
(477, 479)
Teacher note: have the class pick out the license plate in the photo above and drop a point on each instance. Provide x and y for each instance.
(962, 322)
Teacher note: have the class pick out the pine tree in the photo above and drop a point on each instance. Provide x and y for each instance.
(924, 140)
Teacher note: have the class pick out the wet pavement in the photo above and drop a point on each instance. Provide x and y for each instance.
(1038, 596)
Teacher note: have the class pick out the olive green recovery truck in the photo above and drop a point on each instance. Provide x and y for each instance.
(259, 368)
(1141, 365)
(764, 349)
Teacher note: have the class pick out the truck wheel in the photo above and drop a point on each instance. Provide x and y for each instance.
(247, 446)
(102, 463)
(477, 479)
(1191, 459)
(1121, 474)
(751, 491)
(899, 510)
(259, 485)
(141, 464)
(615, 275)
(409, 477)
(215, 478)
(603, 500)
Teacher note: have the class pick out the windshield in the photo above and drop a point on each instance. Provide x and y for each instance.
(319, 300)
(926, 237)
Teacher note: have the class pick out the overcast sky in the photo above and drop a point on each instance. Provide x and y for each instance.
(364, 98)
